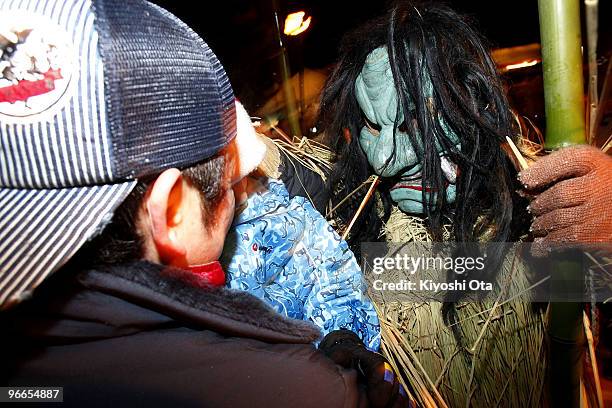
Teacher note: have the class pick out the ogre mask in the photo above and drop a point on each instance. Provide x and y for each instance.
(384, 137)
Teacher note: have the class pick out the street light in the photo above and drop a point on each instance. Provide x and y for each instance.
(295, 23)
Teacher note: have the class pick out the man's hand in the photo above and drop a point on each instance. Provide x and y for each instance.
(345, 348)
(573, 198)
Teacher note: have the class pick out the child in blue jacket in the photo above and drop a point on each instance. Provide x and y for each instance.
(281, 249)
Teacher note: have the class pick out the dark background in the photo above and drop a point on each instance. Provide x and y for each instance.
(242, 34)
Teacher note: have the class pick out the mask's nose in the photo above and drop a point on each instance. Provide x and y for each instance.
(398, 151)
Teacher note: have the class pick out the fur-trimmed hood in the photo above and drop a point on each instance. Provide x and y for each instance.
(121, 300)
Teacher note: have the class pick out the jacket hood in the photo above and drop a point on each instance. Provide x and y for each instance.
(141, 296)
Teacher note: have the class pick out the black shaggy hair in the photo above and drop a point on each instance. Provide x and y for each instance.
(429, 39)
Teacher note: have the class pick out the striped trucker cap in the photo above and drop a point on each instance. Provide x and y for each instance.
(93, 95)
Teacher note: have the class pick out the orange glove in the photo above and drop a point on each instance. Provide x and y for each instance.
(573, 197)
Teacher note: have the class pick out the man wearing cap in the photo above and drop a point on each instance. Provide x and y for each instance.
(116, 167)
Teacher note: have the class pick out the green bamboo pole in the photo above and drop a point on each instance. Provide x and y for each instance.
(562, 66)
(592, 12)
(565, 125)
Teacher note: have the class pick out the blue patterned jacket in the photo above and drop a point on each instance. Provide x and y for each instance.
(282, 250)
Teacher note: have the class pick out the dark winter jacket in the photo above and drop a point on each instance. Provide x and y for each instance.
(303, 182)
(137, 335)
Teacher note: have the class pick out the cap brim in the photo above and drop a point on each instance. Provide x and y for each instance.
(40, 230)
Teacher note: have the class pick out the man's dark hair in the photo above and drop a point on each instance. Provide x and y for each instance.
(120, 241)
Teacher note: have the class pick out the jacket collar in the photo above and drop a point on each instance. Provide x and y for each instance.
(141, 296)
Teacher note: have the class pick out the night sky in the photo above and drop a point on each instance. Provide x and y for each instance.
(242, 32)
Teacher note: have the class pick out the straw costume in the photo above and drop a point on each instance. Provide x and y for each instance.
(415, 99)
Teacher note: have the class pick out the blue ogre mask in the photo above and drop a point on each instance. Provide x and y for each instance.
(384, 137)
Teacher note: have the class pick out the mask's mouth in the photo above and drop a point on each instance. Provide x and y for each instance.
(414, 182)
(413, 185)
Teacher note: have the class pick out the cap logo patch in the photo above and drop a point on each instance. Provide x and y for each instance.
(36, 66)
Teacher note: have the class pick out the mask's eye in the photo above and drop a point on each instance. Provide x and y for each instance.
(373, 128)
(402, 127)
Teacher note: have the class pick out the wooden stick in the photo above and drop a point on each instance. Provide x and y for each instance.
(362, 205)
(589, 336)
(334, 208)
(283, 134)
(521, 160)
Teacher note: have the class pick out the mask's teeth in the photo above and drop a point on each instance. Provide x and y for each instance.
(449, 169)
(414, 177)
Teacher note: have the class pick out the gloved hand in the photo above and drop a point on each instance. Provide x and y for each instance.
(383, 389)
(573, 202)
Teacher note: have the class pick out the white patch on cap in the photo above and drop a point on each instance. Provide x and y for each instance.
(251, 150)
(36, 67)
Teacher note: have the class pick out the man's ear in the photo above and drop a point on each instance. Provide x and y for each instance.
(163, 205)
